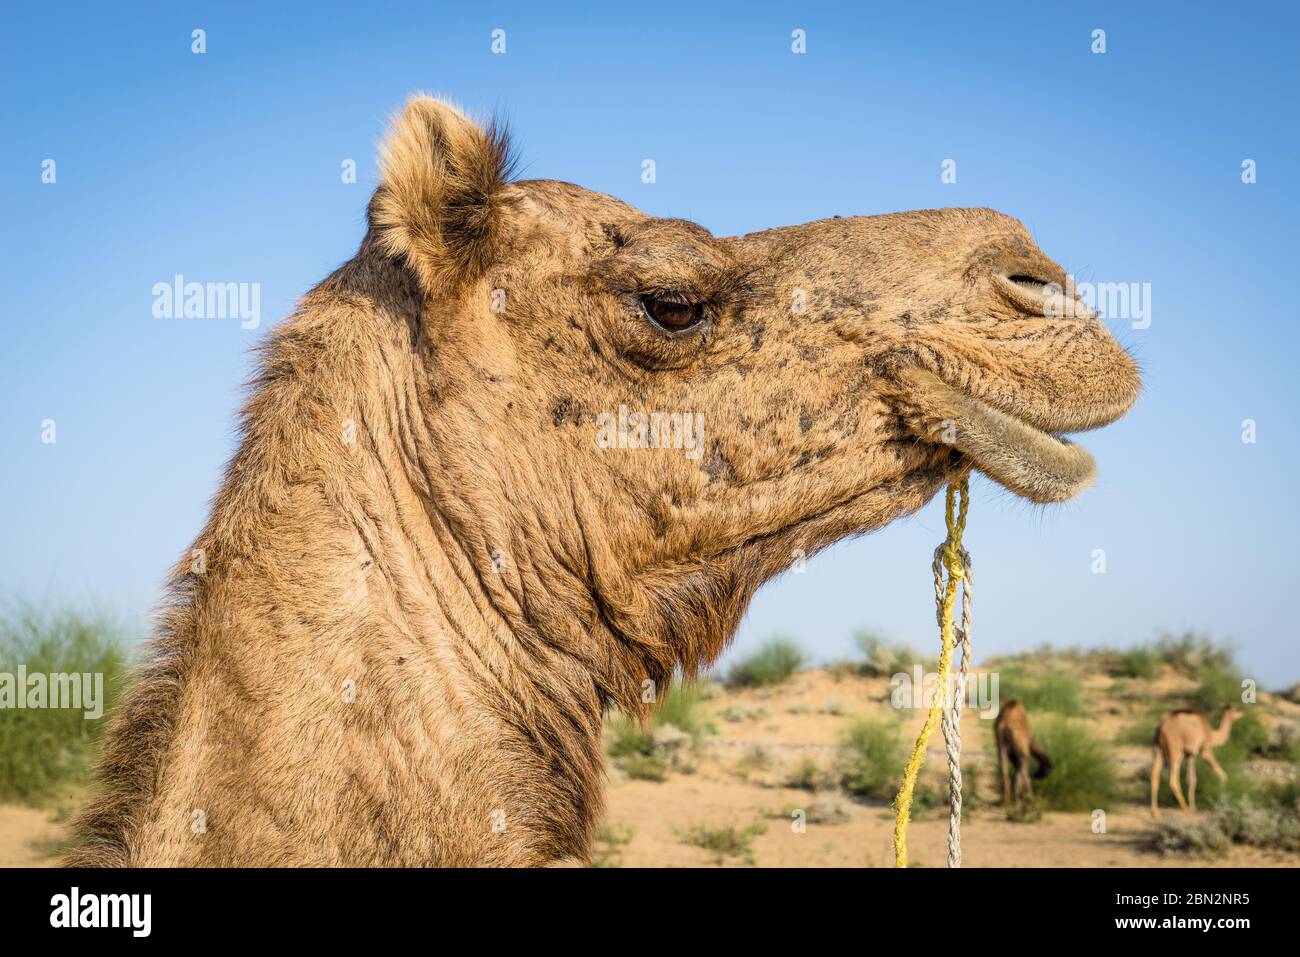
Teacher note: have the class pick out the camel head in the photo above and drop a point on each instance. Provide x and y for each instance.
(640, 422)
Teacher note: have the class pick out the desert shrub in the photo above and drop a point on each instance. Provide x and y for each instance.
(610, 842)
(1270, 819)
(1140, 662)
(870, 759)
(808, 775)
(1139, 733)
(739, 712)
(883, 659)
(772, 664)
(1284, 745)
(1025, 812)
(756, 757)
(1190, 652)
(1083, 775)
(1215, 688)
(1143, 731)
(681, 707)
(1200, 835)
(729, 841)
(1056, 691)
(972, 788)
(669, 741)
(44, 748)
(645, 767)
(1249, 736)
(626, 736)
(706, 689)
(824, 809)
(1049, 653)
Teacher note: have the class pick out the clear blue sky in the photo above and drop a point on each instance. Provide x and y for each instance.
(1126, 166)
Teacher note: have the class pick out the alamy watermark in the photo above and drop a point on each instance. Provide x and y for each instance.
(133, 912)
(1107, 300)
(58, 691)
(651, 430)
(920, 688)
(179, 299)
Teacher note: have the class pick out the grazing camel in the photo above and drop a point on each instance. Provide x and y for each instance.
(1187, 734)
(1016, 745)
(467, 514)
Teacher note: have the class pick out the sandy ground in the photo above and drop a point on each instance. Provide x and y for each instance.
(26, 835)
(656, 812)
(802, 720)
(658, 815)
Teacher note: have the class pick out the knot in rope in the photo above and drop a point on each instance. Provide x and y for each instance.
(955, 507)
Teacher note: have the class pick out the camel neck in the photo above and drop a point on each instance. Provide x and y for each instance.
(343, 644)
(1221, 734)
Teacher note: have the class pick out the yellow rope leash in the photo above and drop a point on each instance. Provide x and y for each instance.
(956, 505)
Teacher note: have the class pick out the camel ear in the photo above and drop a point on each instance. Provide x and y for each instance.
(441, 196)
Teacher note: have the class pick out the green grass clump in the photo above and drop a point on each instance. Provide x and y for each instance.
(1083, 775)
(808, 775)
(1141, 662)
(1216, 687)
(870, 759)
(1269, 819)
(972, 789)
(824, 809)
(884, 659)
(1142, 733)
(645, 767)
(683, 708)
(1049, 653)
(42, 749)
(610, 842)
(1191, 651)
(1055, 691)
(669, 741)
(754, 758)
(729, 841)
(1285, 746)
(772, 664)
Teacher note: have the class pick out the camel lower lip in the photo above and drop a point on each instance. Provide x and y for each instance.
(1022, 457)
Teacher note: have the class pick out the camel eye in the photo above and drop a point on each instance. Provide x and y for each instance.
(674, 313)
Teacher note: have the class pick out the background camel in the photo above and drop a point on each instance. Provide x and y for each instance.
(1187, 734)
(1016, 745)
(429, 570)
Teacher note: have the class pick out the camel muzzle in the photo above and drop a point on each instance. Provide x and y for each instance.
(1026, 460)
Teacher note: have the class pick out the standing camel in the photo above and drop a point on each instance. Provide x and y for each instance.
(1187, 733)
(1016, 744)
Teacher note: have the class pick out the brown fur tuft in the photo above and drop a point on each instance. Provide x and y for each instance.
(130, 760)
(442, 193)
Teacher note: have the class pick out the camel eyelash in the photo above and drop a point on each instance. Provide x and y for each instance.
(675, 297)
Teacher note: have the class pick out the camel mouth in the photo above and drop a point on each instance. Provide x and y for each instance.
(1025, 459)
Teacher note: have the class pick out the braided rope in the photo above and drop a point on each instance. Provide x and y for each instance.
(952, 558)
(951, 723)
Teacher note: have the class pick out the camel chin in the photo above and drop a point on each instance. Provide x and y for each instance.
(1021, 457)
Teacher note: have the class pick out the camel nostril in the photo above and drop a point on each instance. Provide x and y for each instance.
(1030, 283)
